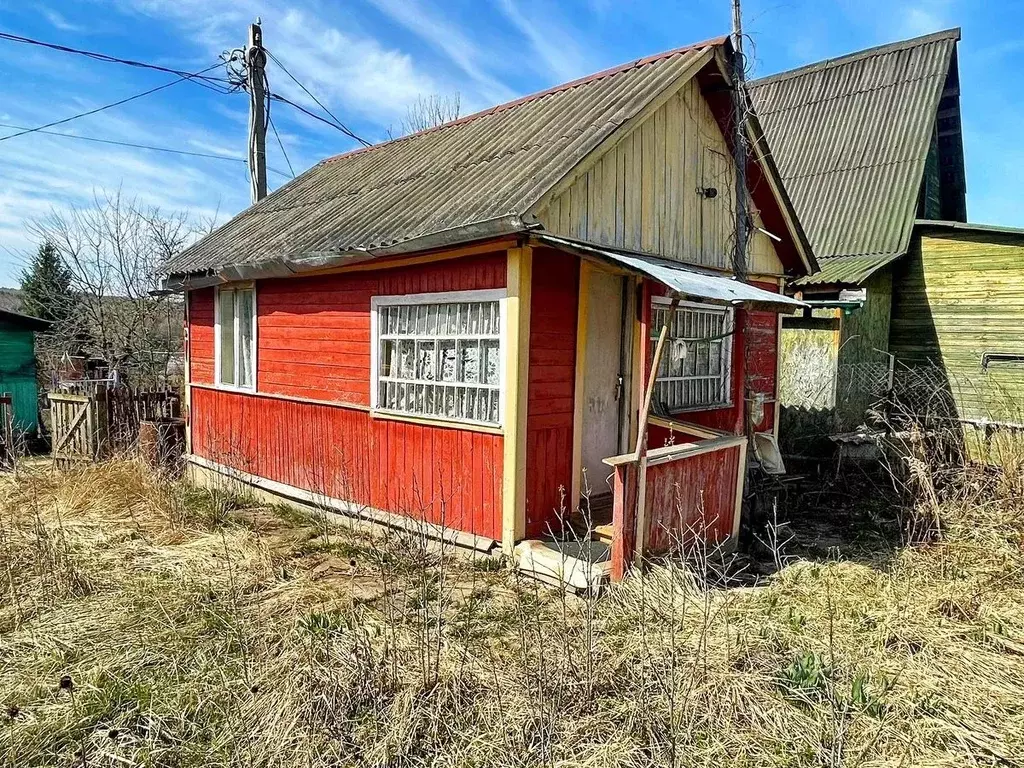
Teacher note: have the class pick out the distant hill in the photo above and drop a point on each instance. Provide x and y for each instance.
(10, 299)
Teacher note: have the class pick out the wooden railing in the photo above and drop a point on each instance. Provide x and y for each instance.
(674, 495)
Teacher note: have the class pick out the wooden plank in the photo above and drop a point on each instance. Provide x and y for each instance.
(517, 371)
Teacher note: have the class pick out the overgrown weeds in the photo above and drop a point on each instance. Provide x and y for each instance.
(198, 629)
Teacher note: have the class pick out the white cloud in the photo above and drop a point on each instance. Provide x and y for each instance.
(360, 73)
(924, 17)
(60, 22)
(554, 42)
(432, 28)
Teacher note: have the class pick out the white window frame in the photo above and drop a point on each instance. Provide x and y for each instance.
(727, 350)
(234, 336)
(450, 297)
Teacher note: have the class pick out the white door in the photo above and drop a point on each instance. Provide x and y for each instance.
(602, 386)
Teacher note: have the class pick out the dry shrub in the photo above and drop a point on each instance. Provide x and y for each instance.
(198, 633)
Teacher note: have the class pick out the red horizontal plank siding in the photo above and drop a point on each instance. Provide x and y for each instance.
(200, 336)
(691, 499)
(314, 332)
(313, 342)
(549, 415)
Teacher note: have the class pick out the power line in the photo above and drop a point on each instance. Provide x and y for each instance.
(281, 145)
(315, 116)
(337, 123)
(152, 148)
(187, 76)
(209, 82)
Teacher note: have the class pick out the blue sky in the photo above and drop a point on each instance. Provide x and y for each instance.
(368, 59)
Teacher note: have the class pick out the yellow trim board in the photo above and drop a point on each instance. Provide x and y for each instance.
(517, 372)
(582, 316)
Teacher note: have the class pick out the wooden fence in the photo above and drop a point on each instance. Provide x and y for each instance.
(104, 422)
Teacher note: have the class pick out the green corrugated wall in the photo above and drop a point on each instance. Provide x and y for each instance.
(18, 374)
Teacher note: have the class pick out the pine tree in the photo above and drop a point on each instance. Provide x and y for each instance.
(46, 286)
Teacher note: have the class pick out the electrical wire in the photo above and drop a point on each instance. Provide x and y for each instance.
(281, 145)
(150, 147)
(213, 83)
(337, 123)
(187, 76)
(325, 121)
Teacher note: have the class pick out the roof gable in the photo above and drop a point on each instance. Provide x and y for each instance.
(850, 137)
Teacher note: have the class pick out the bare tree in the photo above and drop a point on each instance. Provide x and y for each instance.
(428, 112)
(113, 250)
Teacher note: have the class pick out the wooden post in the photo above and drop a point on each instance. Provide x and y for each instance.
(579, 387)
(256, 62)
(640, 518)
(516, 323)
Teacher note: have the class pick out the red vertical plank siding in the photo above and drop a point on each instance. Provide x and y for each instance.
(313, 342)
(691, 499)
(549, 419)
(757, 328)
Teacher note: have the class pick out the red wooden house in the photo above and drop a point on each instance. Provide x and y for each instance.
(454, 329)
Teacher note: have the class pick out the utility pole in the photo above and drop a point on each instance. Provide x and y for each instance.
(739, 148)
(255, 63)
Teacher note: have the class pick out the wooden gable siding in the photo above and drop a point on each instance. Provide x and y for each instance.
(643, 193)
(549, 415)
(956, 296)
(313, 343)
(758, 370)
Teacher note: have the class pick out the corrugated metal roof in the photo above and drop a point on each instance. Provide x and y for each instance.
(965, 226)
(847, 270)
(486, 168)
(688, 281)
(850, 137)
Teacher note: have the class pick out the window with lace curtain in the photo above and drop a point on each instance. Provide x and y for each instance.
(235, 352)
(696, 363)
(439, 355)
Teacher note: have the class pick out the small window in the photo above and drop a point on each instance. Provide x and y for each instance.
(439, 356)
(236, 337)
(696, 361)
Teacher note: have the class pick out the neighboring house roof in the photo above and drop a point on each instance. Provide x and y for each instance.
(851, 137)
(473, 178)
(24, 321)
(963, 226)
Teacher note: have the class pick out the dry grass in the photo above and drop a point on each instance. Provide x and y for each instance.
(198, 630)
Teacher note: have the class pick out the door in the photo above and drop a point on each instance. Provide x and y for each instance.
(603, 385)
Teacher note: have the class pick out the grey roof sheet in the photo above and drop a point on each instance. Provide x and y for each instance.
(850, 137)
(482, 168)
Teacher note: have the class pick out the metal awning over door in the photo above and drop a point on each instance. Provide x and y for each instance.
(688, 282)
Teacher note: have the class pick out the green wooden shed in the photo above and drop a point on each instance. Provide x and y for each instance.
(18, 366)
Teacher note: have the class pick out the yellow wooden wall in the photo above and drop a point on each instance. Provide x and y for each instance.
(643, 193)
(957, 295)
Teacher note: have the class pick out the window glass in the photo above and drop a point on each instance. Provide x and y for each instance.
(694, 369)
(236, 331)
(227, 337)
(440, 359)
